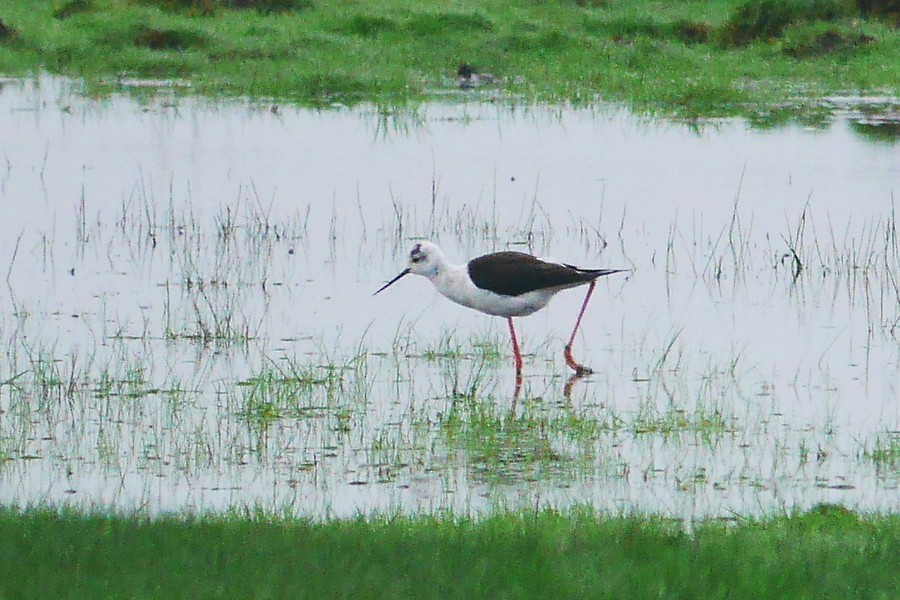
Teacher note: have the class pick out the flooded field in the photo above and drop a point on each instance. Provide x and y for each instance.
(188, 321)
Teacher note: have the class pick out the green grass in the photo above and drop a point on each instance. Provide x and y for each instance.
(693, 58)
(826, 553)
(884, 452)
(538, 443)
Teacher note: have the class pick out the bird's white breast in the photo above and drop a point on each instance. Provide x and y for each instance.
(455, 285)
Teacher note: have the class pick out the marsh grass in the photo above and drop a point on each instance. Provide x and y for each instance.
(859, 264)
(131, 384)
(818, 554)
(217, 266)
(484, 346)
(766, 19)
(535, 444)
(705, 423)
(419, 408)
(292, 388)
(270, 396)
(644, 54)
(808, 257)
(209, 7)
(884, 452)
(464, 366)
(676, 398)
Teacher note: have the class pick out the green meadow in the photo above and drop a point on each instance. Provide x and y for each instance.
(825, 553)
(693, 58)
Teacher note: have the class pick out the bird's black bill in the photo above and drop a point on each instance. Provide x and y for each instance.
(392, 281)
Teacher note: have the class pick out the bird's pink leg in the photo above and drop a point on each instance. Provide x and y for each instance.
(579, 368)
(518, 355)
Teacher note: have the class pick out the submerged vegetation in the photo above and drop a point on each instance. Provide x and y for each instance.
(177, 393)
(692, 58)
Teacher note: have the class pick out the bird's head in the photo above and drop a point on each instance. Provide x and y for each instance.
(425, 259)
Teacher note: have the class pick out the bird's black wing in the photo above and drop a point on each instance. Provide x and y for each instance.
(517, 273)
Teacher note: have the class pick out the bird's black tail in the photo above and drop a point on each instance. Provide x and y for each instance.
(595, 273)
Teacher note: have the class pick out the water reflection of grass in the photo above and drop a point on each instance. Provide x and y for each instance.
(822, 553)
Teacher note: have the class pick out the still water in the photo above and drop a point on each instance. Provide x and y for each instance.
(188, 319)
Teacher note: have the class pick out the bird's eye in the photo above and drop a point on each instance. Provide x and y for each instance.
(417, 258)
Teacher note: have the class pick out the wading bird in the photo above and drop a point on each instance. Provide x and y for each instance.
(503, 284)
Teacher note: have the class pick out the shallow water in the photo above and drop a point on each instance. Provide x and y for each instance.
(189, 321)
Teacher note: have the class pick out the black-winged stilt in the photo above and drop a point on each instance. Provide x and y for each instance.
(503, 284)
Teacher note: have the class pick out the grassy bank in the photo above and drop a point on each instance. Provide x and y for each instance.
(709, 57)
(827, 553)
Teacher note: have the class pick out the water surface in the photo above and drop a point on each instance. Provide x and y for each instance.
(189, 322)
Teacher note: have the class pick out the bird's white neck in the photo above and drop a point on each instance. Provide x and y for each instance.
(453, 282)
